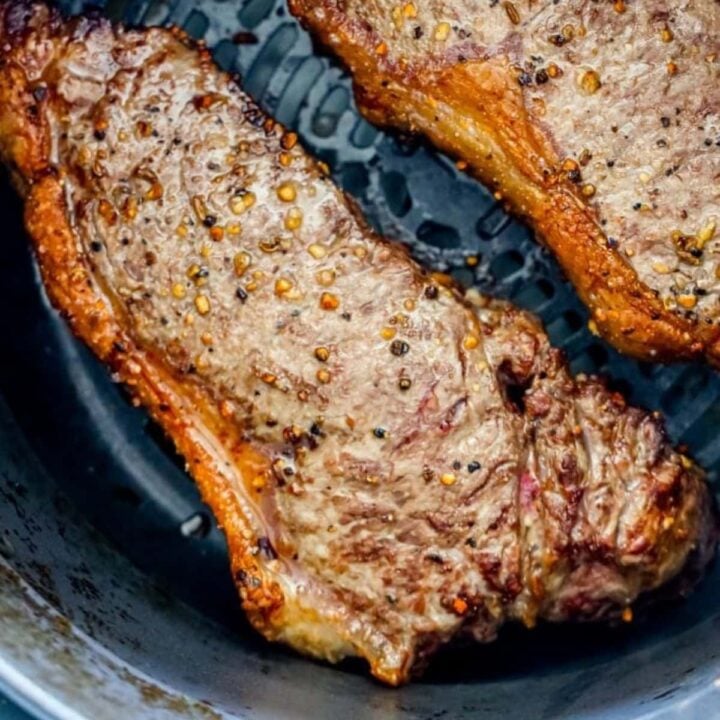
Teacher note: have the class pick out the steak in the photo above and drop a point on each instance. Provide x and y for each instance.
(596, 122)
(393, 464)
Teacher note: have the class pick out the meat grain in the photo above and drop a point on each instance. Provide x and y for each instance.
(597, 122)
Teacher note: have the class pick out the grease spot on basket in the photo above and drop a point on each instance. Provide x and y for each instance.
(196, 526)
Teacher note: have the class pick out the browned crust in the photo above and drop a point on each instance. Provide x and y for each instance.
(474, 110)
(151, 383)
(218, 457)
(183, 412)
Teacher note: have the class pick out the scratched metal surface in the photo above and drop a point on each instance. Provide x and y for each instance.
(89, 445)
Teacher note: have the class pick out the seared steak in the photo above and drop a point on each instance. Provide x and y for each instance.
(597, 122)
(393, 465)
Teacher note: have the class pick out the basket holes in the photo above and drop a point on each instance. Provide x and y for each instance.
(463, 276)
(254, 12)
(329, 157)
(396, 193)
(566, 325)
(196, 526)
(534, 295)
(363, 134)
(268, 60)
(591, 360)
(546, 288)
(689, 385)
(620, 385)
(155, 14)
(703, 432)
(581, 363)
(646, 369)
(507, 264)
(196, 25)
(437, 235)
(355, 179)
(296, 89)
(225, 54)
(333, 105)
(492, 223)
(573, 320)
(598, 355)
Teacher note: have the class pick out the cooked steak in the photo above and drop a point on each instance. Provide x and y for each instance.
(393, 464)
(597, 122)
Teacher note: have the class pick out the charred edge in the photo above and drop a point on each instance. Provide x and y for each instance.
(20, 17)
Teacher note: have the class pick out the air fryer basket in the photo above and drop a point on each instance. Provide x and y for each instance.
(115, 596)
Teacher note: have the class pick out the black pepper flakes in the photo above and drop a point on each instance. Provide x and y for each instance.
(241, 295)
(265, 547)
(209, 221)
(399, 348)
(380, 433)
(524, 79)
(431, 292)
(40, 92)
(473, 466)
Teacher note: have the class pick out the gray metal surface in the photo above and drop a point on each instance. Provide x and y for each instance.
(142, 615)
